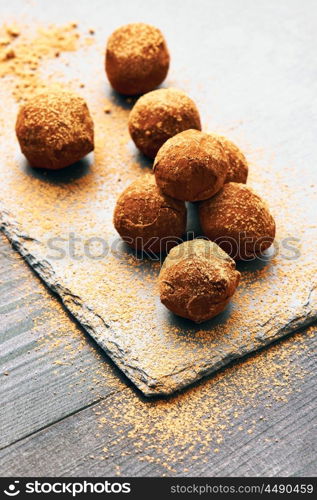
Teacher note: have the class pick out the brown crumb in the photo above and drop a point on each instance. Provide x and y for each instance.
(23, 58)
(9, 54)
(13, 31)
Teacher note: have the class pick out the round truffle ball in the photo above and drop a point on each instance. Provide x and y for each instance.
(55, 129)
(238, 220)
(197, 280)
(147, 219)
(237, 163)
(159, 115)
(137, 58)
(191, 166)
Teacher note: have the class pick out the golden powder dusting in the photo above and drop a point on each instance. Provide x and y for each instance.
(55, 336)
(177, 431)
(22, 54)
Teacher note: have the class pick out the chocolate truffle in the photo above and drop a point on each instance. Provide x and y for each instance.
(238, 220)
(147, 219)
(197, 280)
(137, 58)
(237, 163)
(159, 115)
(55, 129)
(191, 166)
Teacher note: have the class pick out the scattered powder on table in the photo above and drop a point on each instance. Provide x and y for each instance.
(120, 287)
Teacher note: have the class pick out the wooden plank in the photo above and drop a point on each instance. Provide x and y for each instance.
(249, 420)
(49, 367)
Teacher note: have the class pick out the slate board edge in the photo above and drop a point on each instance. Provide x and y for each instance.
(96, 327)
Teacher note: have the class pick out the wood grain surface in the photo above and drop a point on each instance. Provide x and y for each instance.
(116, 297)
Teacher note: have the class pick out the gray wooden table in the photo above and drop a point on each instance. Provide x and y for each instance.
(60, 393)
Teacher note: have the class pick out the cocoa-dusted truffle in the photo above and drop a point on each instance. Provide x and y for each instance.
(197, 280)
(191, 166)
(137, 58)
(55, 129)
(237, 163)
(159, 115)
(238, 220)
(147, 219)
